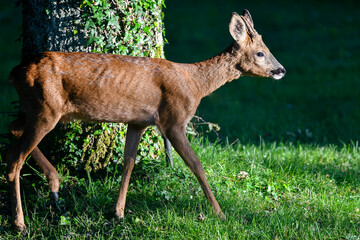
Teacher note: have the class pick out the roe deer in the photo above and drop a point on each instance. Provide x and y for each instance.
(59, 86)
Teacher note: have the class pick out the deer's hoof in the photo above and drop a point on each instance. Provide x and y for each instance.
(120, 214)
(22, 229)
(221, 215)
(55, 195)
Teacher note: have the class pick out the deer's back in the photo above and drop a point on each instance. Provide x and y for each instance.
(100, 87)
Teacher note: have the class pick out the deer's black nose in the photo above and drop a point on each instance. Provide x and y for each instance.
(280, 70)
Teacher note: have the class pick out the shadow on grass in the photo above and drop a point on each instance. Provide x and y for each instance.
(341, 174)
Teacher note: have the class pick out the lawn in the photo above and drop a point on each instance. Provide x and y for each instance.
(297, 139)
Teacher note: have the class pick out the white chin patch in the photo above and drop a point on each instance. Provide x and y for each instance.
(277, 76)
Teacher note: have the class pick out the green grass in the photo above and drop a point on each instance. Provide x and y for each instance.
(297, 139)
(292, 192)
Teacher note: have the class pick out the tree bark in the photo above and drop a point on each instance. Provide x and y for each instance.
(49, 26)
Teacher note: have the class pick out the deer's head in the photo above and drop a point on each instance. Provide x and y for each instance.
(255, 59)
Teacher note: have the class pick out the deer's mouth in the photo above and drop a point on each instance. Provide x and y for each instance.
(278, 73)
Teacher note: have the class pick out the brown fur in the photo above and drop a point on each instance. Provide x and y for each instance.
(59, 86)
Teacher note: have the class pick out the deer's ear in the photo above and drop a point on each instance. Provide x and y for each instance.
(237, 27)
(247, 15)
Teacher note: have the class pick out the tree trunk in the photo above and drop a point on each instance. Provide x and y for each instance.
(110, 26)
(49, 26)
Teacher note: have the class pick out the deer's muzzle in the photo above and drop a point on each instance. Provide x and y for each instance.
(278, 73)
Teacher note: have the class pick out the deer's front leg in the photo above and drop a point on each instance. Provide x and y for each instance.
(181, 144)
(133, 136)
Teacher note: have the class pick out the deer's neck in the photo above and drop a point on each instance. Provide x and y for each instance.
(216, 71)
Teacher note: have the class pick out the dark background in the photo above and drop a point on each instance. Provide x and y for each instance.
(318, 42)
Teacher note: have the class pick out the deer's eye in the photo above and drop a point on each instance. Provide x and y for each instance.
(260, 54)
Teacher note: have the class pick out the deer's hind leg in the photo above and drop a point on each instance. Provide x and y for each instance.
(35, 128)
(17, 129)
